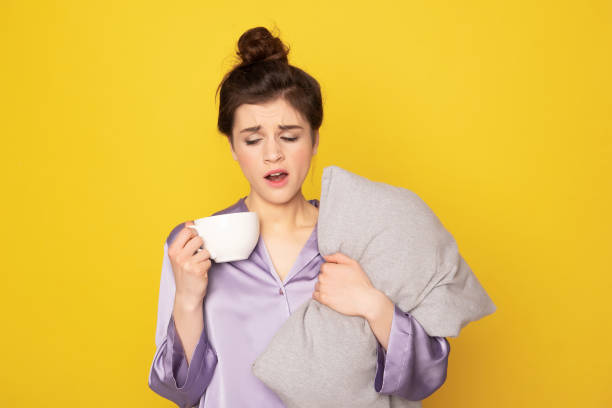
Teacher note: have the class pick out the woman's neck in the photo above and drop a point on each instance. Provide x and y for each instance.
(284, 217)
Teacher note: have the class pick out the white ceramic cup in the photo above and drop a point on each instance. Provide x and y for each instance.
(229, 237)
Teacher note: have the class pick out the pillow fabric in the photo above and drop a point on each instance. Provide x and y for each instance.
(322, 358)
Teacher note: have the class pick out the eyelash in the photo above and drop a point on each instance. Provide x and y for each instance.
(289, 139)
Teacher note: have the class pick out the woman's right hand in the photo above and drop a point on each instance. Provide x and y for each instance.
(189, 266)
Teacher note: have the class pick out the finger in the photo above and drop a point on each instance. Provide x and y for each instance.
(184, 235)
(332, 258)
(317, 287)
(200, 268)
(206, 264)
(201, 255)
(338, 257)
(328, 267)
(193, 244)
(315, 295)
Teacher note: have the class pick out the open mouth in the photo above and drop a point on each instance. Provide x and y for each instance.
(277, 177)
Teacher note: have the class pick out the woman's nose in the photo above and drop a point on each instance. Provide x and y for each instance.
(272, 151)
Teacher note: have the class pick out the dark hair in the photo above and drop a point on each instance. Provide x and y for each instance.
(262, 74)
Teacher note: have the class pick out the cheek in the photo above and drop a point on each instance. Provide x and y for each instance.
(302, 156)
(248, 163)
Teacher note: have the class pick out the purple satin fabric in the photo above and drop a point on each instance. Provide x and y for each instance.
(246, 303)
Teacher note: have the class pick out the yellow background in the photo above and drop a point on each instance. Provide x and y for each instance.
(497, 114)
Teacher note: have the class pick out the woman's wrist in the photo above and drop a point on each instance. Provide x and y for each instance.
(376, 304)
(186, 304)
(379, 315)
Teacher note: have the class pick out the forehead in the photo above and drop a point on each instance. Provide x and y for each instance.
(269, 114)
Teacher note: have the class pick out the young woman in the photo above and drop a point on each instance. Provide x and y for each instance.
(215, 319)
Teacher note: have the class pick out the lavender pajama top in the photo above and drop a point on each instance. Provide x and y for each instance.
(245, 304)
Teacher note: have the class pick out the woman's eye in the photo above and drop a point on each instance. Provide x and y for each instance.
(289, 139)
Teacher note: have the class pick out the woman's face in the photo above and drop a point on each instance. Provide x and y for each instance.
(271, 136)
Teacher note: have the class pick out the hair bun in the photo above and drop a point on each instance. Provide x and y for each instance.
(258, 44)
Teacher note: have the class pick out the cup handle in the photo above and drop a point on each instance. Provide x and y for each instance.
(212, 256)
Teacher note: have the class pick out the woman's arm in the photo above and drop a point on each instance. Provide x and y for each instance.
(171, 375)
(189, 325)
(411, 364)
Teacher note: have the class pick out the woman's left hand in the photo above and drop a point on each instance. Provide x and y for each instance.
(344, 286)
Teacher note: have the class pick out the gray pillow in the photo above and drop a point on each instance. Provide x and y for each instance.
(322, 358)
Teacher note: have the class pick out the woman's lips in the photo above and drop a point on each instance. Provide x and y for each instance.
(276, 171)
(281, 180)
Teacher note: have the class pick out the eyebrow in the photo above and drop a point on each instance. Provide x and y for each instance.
(282, 127)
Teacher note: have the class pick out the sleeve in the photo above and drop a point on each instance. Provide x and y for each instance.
(415, 364)
(170, 376)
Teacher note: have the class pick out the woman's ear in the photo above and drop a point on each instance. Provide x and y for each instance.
(316, 145)
(233, 152)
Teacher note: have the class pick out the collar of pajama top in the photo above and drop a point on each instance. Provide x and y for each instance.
(261, 257)
(245, 305)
